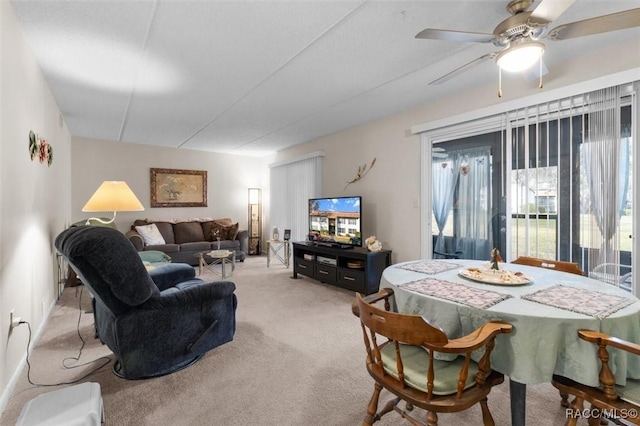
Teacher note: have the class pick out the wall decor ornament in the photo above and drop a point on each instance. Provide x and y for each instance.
(178, 188)
(40, 147)
(361, 172)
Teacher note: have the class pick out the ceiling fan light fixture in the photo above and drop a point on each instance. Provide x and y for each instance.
(520, 56)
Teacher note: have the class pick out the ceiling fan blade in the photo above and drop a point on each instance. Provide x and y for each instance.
(549, 10)
(597, 25)
(464, 68)
(447, 35)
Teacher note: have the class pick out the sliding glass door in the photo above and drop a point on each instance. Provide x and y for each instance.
(467, 201)
(544, 190)
(555, 183)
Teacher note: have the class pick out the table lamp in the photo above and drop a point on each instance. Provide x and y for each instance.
(113, 196)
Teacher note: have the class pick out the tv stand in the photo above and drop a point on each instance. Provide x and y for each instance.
(356, 269)
(332, 244)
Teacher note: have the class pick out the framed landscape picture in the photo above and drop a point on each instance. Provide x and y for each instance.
(178, 188)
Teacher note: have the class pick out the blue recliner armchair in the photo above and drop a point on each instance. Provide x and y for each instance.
(155, 322)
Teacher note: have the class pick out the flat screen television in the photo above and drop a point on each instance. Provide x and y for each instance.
(336, 221)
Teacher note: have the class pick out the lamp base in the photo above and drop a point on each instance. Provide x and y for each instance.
(100, 220)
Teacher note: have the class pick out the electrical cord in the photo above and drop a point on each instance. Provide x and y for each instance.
(64, 361)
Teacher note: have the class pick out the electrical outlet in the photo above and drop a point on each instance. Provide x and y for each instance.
(14, 321)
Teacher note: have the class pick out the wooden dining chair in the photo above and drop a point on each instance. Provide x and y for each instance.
(400, 358)
(608, 399)
(556, 265)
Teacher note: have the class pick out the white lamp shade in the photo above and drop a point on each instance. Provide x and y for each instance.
(113, 196)
(519, 57)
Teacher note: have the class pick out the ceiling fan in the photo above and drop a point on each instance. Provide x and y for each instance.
(520, 34)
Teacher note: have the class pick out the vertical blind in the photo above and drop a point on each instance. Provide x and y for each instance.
(564, 173)
(292, 185)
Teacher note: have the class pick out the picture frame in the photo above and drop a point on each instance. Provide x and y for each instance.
(287, 234)
(178, 188)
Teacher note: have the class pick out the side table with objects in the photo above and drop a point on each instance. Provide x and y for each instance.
(211, 258)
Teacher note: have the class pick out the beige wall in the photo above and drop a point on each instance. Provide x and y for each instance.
(229, 177)
(390, 191)
(34, 198)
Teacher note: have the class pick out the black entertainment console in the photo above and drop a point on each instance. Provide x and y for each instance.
(356, 269)
(330, 244)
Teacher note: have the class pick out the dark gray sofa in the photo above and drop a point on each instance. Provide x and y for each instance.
(186, 238)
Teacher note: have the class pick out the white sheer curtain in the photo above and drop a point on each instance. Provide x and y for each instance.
(473, 221)
(292, 185)
(445, 177)
(462, 189)
(606, 159)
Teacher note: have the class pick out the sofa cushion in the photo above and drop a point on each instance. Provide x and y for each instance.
(228, 245)
(166, 248)
(188, 232)
(196, 246)
(150, 234)
(166, 229)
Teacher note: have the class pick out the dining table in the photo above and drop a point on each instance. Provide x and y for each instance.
(545, 307)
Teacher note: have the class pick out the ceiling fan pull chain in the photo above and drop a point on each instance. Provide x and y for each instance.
(499, 82)
(540, 85)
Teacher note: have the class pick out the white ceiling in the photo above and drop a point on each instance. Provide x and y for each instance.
(251, 77)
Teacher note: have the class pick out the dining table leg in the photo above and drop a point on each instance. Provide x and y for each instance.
(517, 394)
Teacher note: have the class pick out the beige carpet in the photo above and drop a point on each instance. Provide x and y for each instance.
(297, 359)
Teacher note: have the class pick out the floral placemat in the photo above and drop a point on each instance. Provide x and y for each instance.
(588, 302)
(460, 293)
(430, 267)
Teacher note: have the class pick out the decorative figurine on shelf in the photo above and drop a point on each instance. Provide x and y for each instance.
(373, 244)
(495, 258)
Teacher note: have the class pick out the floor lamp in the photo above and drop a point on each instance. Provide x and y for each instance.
(255, 220)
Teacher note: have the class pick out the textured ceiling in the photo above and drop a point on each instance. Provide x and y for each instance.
(252, 77)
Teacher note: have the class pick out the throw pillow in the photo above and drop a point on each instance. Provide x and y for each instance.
(233, 231)
(225, 221)
(223, 232)
(150, 234)
(218, 231)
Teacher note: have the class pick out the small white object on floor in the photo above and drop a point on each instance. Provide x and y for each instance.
(78, 405)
